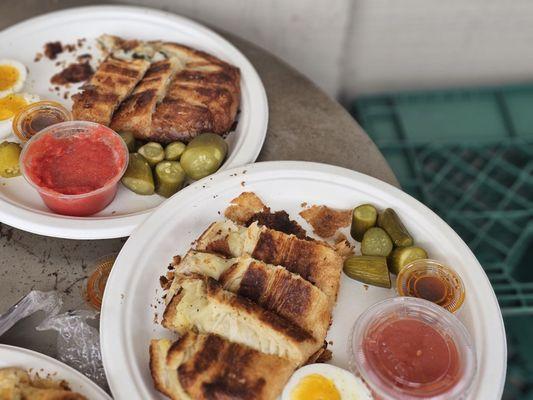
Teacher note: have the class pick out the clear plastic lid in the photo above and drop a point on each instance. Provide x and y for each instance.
(409, 348)
(433, 281)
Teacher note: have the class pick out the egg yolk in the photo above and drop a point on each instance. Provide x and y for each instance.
(10, 105)
(8, 76)
(315, 387)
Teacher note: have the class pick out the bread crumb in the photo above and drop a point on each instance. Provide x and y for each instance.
(326, 221)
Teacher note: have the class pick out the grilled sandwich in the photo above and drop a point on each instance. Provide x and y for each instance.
(198, 93)
(203, 97)
(200, 303)
(272, 287)
(208, 367)
(135, 113)
(312, 260)
(113, 81)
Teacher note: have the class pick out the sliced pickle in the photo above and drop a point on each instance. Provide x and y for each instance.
(129, 140)
(9, 159)
(138, 176)
(371, 270)
(390, 221)
(376, 242)
(174, 150)
(153, 153)
(401, 256)
(363, 218)
(169, 177)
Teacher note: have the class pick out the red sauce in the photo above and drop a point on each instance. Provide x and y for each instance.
(75, 165)
(413, 356)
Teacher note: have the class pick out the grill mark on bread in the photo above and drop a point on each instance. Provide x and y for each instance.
(254, 283)
(273, 320)
(219, 246)
(119, 70)
(296, 295)
(209, 367)
(228, 384)
(279, 221)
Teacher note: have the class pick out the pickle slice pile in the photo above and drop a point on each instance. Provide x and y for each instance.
(386, 246)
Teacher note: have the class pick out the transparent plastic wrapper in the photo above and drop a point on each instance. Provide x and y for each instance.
(49, 302)
(78, 343)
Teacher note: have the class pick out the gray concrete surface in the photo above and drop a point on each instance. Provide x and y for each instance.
(304, 124)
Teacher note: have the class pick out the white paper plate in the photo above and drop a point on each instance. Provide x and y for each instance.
(11, 356)
(133, 295)
(20, 205)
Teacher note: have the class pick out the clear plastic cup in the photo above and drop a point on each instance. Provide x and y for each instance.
(396, 364)
(38, 116)
(433, 281)
(82, 204)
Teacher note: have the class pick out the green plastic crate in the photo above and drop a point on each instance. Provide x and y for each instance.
(468, 155)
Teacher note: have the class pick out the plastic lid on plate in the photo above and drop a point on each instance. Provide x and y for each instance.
(407, 348)
(433, 281)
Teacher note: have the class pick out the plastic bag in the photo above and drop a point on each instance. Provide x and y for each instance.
(49, 302)
(78, 343)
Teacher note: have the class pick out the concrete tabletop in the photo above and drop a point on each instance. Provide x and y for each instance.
(304, 124)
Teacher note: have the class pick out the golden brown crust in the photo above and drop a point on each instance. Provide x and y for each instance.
(204, 96)
(326, 221)
(244, 207)
(313, 260)
(16, 383)
(202, 304)
(218, 369)
(135, 113)
(112, 82)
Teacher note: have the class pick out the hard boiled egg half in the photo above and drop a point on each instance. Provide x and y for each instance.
(12, 77)
(325, 382)
(10, 105)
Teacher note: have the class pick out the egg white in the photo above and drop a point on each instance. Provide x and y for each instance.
(6, 125)
(23, 74)
(349, 386)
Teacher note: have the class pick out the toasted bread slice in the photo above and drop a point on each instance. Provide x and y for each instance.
(16, 384)
(112, 82)
(204, 96)
(272, 287)
(208, 367)
(314, 261)
(135, 113)
(202, 304)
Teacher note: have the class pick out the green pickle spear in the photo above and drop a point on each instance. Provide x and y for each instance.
(204, 155)
(401, 256)
(371, 270)
(138, 176)
(174, 150)
(392, 224)
(376, 242)
(129, 140)
(9, 159)
(153, 153)
(169, 177)
(363, 218)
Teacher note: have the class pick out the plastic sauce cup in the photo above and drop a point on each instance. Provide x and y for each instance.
(71, 142)
(407, 348)
(433, 281)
